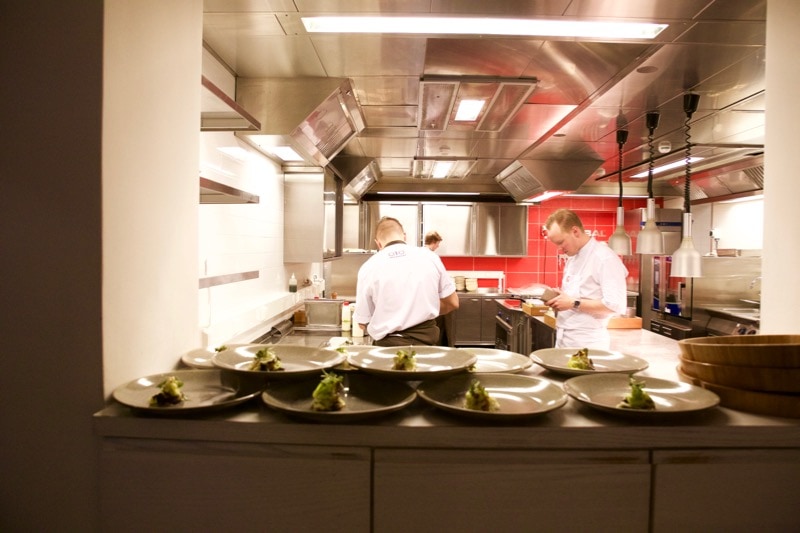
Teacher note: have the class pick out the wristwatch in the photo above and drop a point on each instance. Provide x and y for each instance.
(576, 304)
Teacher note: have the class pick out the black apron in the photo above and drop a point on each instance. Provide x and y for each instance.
(426, 333)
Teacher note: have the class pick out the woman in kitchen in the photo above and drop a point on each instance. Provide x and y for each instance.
(593, 287)
(401, 290)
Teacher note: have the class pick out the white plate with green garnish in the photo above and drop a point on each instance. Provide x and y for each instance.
(202, 357)
(292, 360)
(516, 396)
(491, 360)
(202, 390)
(607, 391)
(427, 361)
(604, 361)
(364, 396)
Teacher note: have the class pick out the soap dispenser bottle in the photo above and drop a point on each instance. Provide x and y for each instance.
(292, 283)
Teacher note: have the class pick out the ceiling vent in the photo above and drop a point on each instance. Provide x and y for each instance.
(496, 101)
(359, 174)
(526, 178)
(738, 178)
(442, 168)
(317, 117)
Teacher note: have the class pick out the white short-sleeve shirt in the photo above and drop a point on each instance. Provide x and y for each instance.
(400, 287)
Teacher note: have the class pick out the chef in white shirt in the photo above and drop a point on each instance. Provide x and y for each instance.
(593, 288)
(401, 290)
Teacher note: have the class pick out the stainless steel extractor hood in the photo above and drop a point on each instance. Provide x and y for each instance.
(314, 116)
(743, 177)
(357, 173)
(528, 177)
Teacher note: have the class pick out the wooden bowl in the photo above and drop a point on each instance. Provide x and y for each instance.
(756, 378)
(763, 403)
(782, 351)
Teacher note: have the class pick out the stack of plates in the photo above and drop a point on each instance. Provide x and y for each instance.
(471, 284)
(460, 283)
(753, 373)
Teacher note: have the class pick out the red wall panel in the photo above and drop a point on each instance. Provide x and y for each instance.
(542, 264)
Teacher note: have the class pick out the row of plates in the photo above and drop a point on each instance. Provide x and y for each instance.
(368, 395)
(372, 393)
(431, 360)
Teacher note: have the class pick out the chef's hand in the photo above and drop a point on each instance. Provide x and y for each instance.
(562, 302)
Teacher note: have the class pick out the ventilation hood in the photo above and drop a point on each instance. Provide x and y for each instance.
(357, 173)
(741, 178)
(525, 178)
(315, 116)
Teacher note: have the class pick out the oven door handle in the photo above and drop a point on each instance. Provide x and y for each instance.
(503, 324)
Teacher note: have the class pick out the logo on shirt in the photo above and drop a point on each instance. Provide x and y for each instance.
(396, 253)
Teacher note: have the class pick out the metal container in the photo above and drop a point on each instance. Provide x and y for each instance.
(323, 313)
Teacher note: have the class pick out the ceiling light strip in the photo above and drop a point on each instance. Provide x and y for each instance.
(482, 26)
(668, 166)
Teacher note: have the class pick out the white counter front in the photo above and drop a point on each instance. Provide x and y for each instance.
(422, 456)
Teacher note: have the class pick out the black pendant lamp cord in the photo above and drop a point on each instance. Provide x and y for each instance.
(652, 123)
(622, 137)
(690, 102)
(686, 189)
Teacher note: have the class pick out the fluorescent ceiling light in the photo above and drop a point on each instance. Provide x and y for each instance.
(544, 196)
(482, 26)
(285, 153)
(468, 110)
(428, 193)
(600, 195)
(441, 169)
(668, 166)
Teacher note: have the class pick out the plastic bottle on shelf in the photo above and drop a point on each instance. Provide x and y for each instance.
(346, 316)
(356, 330)
(292, 283)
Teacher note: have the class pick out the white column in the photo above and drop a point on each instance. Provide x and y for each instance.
(152, 62)
(780, 287)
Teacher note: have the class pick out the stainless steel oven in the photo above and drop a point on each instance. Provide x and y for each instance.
(510, 329)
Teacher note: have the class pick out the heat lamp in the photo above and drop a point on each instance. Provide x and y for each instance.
(650, 241)
(686, 261)
(620, 241)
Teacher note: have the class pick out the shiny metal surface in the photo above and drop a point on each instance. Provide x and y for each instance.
(585, 90)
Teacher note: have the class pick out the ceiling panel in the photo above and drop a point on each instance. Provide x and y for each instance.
(586, 88)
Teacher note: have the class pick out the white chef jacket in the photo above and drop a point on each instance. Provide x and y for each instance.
(596, 273)
(400, 287)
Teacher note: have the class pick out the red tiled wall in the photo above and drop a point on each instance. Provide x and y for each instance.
(541, 264)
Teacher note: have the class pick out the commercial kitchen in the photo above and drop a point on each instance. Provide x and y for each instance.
(146, 216)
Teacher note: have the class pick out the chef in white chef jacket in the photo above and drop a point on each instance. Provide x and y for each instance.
(593, 288)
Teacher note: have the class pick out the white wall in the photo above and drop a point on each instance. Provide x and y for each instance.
(151, 127)
(781, 214)
(739, 225)
(236, 238)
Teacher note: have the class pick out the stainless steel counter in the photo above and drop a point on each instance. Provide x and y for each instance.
(635, 469)
(573, 426)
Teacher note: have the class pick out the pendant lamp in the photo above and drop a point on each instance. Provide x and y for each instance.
(620, 241)
(686, 262)
(649, 241)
